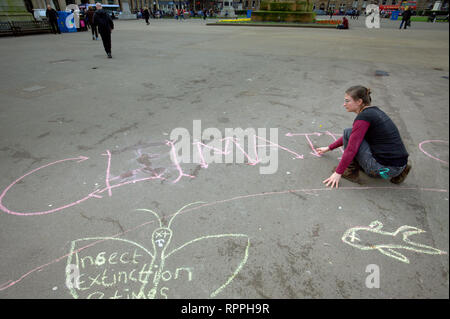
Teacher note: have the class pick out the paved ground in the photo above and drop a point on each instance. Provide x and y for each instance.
(83, 147)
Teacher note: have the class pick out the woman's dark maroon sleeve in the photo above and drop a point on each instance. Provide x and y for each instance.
(359, 130)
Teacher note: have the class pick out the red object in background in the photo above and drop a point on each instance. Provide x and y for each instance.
(410, 4)
(389, 8)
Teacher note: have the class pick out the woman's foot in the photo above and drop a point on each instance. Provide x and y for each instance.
(351, 173)
(400, 178)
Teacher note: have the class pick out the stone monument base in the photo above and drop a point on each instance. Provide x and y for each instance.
(299, 11)
(14, 10)
(227, 12)
(283, 16)
(126, 14)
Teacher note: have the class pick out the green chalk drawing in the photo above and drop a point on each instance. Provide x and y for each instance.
(143, 271)
(353, 237)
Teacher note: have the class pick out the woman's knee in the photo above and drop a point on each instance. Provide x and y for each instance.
(346, 136)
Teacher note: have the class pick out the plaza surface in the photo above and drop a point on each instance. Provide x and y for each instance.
(88, 178)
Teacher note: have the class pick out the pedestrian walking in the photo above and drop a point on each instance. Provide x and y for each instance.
(432, 17)
(83, 24)
(181, 14)
(406, 19)
(105, 25)
(146, 15)
(90, 22)
(52, 17)
(204, 14)
(373, 144)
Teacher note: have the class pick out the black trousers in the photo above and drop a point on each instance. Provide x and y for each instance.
(106, 39)
(54, 25)
(94, 29)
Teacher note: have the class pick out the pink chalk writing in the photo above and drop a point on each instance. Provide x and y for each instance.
(226, 150)
(429, 155)
(335, 139)
(306, 135)
(176, 162)
(78, 159)
(97, 194)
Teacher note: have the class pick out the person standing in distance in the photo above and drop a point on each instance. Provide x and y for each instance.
(52, 17)
(146, 15)
(105, 25)
(406, 18)
(90, 20)
(373, 143)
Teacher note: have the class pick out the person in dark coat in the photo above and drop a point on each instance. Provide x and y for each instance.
(105, 25)
(406, 17)
(146, 15)
(90, 22)
(52, 17)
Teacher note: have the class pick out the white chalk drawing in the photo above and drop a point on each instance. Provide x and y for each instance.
(123, 269)
(353, 237)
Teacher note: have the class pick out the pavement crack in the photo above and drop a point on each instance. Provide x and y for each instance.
(105, 219)
(114, 221)
(121, 130)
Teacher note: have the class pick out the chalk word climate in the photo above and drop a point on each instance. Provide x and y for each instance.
(175, 163)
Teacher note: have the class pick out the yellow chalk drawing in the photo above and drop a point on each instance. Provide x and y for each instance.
(353, 237)
(126, 274)
(236, 20)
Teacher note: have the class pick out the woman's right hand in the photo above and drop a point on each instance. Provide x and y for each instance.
(322, 150)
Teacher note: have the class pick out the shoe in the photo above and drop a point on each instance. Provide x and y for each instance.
(96, 38)
(400, 178)
(351, 173)
(109, 56)
(93, 38)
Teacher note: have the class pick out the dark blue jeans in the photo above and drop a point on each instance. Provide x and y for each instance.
(404, 23)
(368, 163)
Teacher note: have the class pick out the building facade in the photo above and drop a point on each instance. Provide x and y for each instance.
(60, 5)
(348, 4)
(237, 4)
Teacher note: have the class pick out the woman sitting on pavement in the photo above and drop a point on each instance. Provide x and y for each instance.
(372, 144)
(344, 24)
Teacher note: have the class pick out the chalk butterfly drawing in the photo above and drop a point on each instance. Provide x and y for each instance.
(112, 267)
(373, 235)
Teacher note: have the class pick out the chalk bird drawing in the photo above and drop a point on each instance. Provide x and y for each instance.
(112, 267)
(374, 233)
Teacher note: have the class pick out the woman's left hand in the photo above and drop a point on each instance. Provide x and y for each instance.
(333, 180)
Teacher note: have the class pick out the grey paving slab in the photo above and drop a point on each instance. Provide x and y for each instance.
(84, 147)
